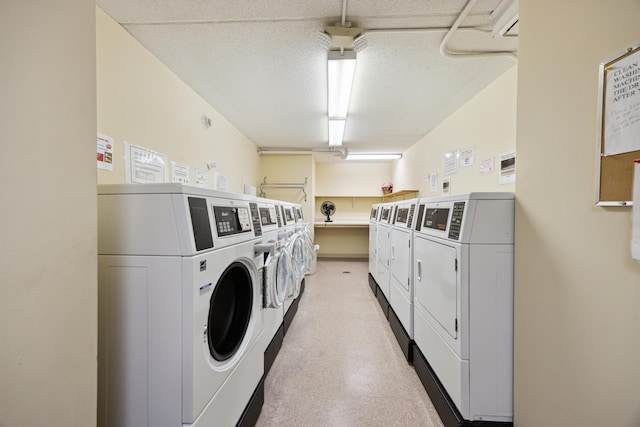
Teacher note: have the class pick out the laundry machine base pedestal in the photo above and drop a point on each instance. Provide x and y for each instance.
(251, 413)
(293, 309)
(406, 343)
(382, 300)
(273, 349)
(302, 286)
(445, 407)
(372, 284)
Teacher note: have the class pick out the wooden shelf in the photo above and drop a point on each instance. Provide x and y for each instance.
(346, 223)
(400, 195)
(374, 196)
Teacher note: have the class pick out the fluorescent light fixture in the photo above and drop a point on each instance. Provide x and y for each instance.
(374, 156)
(336, 131)
(340, 70)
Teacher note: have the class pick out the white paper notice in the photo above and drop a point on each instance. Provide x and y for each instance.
(221, 181)
(450, 163)
(433, 182)
(446, 185)
(468, 157)
(105, 152)
(635, 227)
(144, 165)
(486, 166)
(622, 106)
(179, 173)
(508, 167)
(202, 178)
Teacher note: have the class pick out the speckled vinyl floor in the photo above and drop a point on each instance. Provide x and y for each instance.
(340, 365)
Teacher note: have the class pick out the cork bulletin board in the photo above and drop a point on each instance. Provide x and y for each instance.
(618, 127)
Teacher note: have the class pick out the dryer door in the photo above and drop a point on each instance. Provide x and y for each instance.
(229, 311)
(400, 258)
(440, 289)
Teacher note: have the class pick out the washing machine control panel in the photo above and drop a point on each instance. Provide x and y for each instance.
(468, 218)
(255, 218)
(386, 214)
(288, 215)
(456, 220)
(404, 215)
(268, 216)
(445, 219)
(232, 220)
(436, 218)
(277, 213)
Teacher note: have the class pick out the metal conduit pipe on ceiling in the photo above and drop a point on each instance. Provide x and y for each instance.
(341, 153)
(455, 55)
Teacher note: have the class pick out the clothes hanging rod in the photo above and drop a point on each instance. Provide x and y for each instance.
(301, 186)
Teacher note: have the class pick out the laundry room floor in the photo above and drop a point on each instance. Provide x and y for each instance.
(340, 365)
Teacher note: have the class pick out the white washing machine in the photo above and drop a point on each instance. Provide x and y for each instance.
(278, 278)
(384, 256)
(373, 245)
(463, 325)
(400, 274)
(306, 234)
(300, 246)
(180, 302)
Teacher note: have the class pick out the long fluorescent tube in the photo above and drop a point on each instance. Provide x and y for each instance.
(336, 132)
(340, 70)
(374, 156)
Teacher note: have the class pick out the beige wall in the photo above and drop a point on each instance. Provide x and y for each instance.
(577, 296)
(352, 178)
(343, 242)
(353, 187)
(347, 208)
(488, 122)
(142, 102)
(48, 289)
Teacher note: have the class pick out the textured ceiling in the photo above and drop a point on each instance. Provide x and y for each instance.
(261, 66)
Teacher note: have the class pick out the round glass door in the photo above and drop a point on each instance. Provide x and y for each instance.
(230, 311)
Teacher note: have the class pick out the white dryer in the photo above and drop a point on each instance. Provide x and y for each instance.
(400, 274)
(384, 256)
(179, 307)
(373, 245)
(463, 324)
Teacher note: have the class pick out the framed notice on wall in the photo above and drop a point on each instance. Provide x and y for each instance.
(618, 127)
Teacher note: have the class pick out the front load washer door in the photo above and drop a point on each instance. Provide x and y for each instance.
(278, 277)
(295, 247)
(229, 311)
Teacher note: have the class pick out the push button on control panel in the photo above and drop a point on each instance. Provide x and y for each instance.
(456, 220)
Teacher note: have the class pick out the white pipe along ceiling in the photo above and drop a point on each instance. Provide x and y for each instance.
(263, 66)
